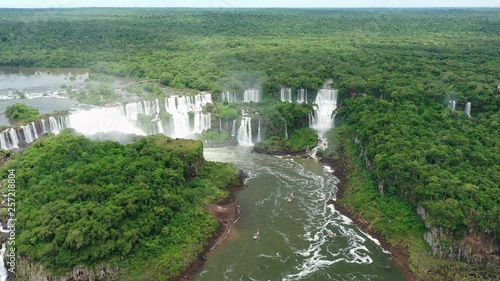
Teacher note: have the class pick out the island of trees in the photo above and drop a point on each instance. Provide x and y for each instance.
(134, 211)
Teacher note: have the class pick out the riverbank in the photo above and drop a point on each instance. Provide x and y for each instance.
(226, 212)
(341, 169)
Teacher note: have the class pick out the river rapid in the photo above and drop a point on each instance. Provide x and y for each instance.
(294, 242)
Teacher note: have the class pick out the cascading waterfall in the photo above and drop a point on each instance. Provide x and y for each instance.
(233, 130)
(3, 271)
(28, 135)
(286, 131)
(286, 95)
(302, 96)
(181, 107)
(251, 95)
(202, 122)
(13, 138)
(34, 130)
(149, 108)
(452, 104)
(323, 116)
(10, 138)
(245, 132)
(3, 141)
(54, 126)
(160, 127)
(44, 126)
(467, 108)
(259, 139)
(186, 119)
(229, 97)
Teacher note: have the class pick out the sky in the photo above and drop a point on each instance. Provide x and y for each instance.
(247, 3)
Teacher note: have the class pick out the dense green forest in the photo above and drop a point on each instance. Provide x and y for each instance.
(20, 112)
(137, 206)
(396, 71)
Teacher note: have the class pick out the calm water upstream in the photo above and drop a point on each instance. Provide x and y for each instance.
(294, 242)
(40, 86)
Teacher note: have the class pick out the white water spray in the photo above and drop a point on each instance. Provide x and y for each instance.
(229, 97)
(251, 95)
(245, 132)
(233, 130)
(467, 108)
(286, 95)
(323, 116)
(302, 96)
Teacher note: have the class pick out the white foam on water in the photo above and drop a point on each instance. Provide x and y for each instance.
(375, 240)
(314, 250)
(323, 218)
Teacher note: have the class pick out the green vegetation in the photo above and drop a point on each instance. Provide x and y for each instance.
(137, 206)
(275, 115)
(442, 160)
(422, 54)
(394, 217)
(96, 94)
(396, 70)
(19, 112)
(298, 142)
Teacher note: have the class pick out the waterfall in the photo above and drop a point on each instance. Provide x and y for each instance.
(229, 97)
(245, 132)
(251, 95)
(467, 108)
(181, 107)
(259, 139)
(3, 140)
(322, 117)
(302, 96)
(160, 127)
(186, 119)
(286, 95)
(28, 136)
(186, 116)
(233, 130)
(220, 124)
(452, 104)
(44, 126)
(201, 122)
(149, 108)
(54, 126)
(286, 131)
(34, 130)
(13, 138)
(3, 270)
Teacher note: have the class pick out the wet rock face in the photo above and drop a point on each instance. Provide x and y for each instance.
(472, 248)
(28, 270)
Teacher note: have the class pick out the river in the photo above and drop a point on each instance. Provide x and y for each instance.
(41, 88)
(294, 242)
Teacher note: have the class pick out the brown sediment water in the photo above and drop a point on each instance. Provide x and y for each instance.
(294, 242)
